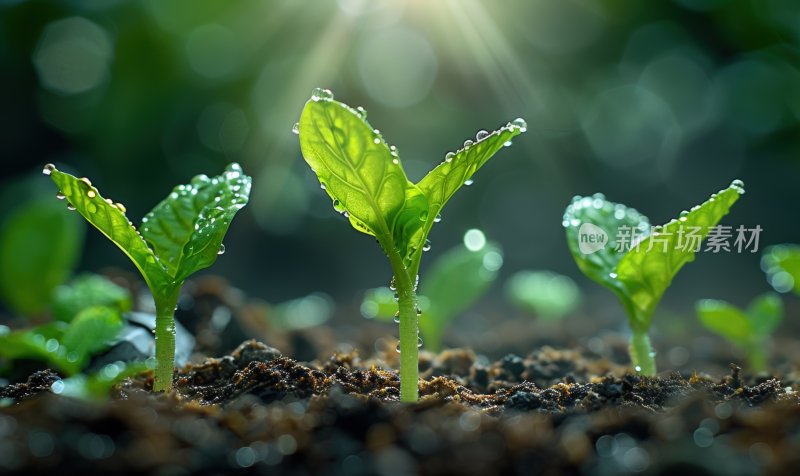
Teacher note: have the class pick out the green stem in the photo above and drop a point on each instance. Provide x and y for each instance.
(165, 340)
(409, 332)
(756, 357)
(642, 355)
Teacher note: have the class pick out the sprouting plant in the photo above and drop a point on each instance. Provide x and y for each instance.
(748, 329)
(548, 295)
(453, 283)
(615, 246)
(87, 319)
(181, 235)
(364, 177)
(782, 265)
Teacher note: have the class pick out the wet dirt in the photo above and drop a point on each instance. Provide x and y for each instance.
(555, 411)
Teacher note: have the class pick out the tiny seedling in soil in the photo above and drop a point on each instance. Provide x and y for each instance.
(748, 329)
(181, 235)
(87, 320)
(457, 279)
(613, 245)
(549, 296)
(782, 265)
(365, 179)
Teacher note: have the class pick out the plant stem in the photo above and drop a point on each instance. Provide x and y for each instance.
(409, 332)
(642, 355)
(165, 340)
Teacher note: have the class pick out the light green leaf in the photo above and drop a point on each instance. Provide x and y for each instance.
(355, 166)
(110, 219)
(726, 320)
(187, 228)
(32, 262)
(601, 219)
(97, 387)
(91, 331)
(302, 313)
(782, 265)
(87, 291)
(547, 294)
(765, 313)
(647, 271)
(40, 343)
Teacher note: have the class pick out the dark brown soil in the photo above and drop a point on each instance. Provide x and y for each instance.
(554, 412)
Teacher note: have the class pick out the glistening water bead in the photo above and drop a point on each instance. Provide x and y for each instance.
(48, 169)
(320, 94)
(296, 128)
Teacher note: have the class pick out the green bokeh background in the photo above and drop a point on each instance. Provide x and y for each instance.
(656, 104)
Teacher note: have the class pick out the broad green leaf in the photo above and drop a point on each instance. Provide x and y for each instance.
(765, 313)
(110, 219)
(32, 262)
(782, 265)
(87, 291)
(91, 331)
(354, 165)
(441, 183)
(613, 226)
(379, 303)
(647, 271)
(547, 294)
(726, 320)
(187, 228)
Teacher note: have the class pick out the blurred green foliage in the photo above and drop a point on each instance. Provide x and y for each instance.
(88, 290)
(748, 329)
(782, 265)
(40, 245)
(547, 295)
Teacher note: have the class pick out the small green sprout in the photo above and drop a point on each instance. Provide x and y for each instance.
(748, 329)
(782, 265)
(548, 295)
(365, 179)
(613, 245)
(454, 282)
(181, 235)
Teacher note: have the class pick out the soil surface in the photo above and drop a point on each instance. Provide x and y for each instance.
(553, 412)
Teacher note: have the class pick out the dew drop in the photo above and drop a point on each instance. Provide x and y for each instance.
(397, 348)
(419, 342)
(376, 140)
(738, 185)
(437, 219)
(481, 135)
(362, 113)
(70, 207)
(337, 205)
(60, 195)
(468, 143)
(296, 128)
(520, 123)
(321, 94)
(427, 245)
(612, 275)
(448, 157)
(468, 182)
(322, 185)
(397, 317)
(48, 169)
(507, 143)
(637, 368)
(91, 194)
(395, 161)
(684, 213)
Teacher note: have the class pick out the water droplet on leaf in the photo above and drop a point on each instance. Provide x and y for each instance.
(221, 250)
(427, 245)
(48, 169)
(481, 135)
(321, 94)
(448, 157)
(468, 182)
(60, 195)
(468, 143)
(362, 113)
(520, 123)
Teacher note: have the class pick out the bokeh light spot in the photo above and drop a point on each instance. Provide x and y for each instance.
(213, 51)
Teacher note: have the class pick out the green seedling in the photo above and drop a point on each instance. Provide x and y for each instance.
(88, 318)
(748, 329)
(782, 265)
(549, 296)
(613, 245)
(452, 285)
(181, 235)
(98, 385)
(364, 177)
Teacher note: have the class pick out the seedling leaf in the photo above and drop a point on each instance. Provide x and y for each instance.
(765, 313)
(87, 291)
(110, 219)
(546, 294)
(91, 331)
(187, 228)
(724, 319)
